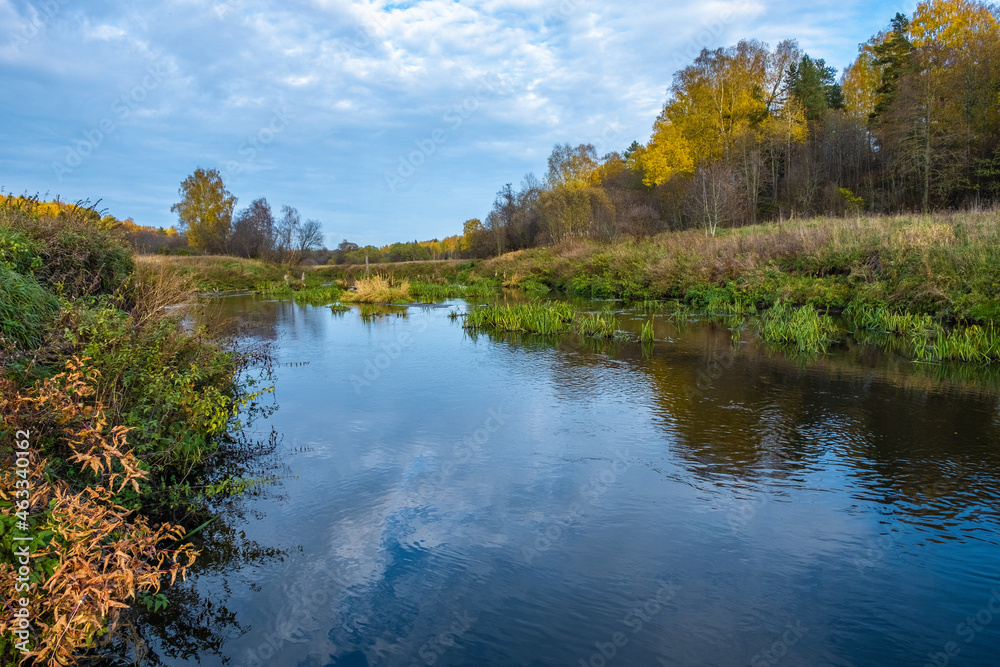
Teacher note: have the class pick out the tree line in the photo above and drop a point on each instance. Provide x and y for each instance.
(751, 134)
(747, 134)
(211, 224)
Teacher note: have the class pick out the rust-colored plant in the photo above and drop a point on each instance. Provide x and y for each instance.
(90, 556)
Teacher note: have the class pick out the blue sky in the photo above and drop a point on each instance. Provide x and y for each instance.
(385, 121)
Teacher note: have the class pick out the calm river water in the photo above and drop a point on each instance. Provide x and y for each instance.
(448, 499)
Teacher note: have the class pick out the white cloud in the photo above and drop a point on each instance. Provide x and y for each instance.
(371, 78)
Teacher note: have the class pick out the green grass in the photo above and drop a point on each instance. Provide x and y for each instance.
(647, 332)
(318, 296)
(803, 327)
(944, 265)
(26, 310)
(598, 325)
(212, 273)
(927, 339)
(545, 319)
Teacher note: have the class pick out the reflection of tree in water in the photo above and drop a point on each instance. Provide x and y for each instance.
(917, 437)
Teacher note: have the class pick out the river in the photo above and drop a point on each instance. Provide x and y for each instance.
(451, 499)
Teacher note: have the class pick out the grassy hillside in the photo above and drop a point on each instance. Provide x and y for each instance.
(945, 265)
(111, 411)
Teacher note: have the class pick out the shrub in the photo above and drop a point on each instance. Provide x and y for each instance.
(90, 555)
(77, 257)
(25, 310)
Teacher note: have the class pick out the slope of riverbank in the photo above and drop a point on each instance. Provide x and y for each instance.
(945, 265)
(111, 412)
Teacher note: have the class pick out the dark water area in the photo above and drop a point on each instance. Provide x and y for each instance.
(450, 499)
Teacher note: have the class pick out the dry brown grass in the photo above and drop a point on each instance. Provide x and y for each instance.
(378, 289)
(158, 286)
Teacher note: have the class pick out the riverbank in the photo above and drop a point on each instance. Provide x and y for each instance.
(112, 412)
(933, 280)
(945, 265)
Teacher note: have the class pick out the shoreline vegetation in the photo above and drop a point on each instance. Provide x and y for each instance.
(931, 280)
(114, 419)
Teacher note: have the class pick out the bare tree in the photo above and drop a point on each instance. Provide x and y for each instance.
(715, 197)
(253, 230)
(309, 236)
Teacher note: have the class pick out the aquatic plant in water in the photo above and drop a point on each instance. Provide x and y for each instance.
(804, 327)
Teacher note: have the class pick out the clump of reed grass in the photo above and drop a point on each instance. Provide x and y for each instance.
(379, 289)
(318, 296)
(880, 319)
(647, 332)
(807, 329)
(927, 339)
(598, 325)
(547, 319)
(433, 292)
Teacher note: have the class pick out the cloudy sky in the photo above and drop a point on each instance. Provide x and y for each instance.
(385, 121)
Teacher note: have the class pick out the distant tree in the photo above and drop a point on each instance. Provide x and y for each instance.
(501, 218)
(285, 230)
(253, 230)
(473, 239)
(815, 86)
(572, 167)
(308, 236)
(340, 253)
(205, 210)
(407, 252)
(893, 56)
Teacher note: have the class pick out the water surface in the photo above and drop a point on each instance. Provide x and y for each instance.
(450, 499)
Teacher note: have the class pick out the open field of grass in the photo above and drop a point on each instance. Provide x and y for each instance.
(219, 272)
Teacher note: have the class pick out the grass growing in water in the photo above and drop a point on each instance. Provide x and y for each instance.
(598, 325)
(647, 331)
(548, 318)
(807, 329)
(929, 340)
(379, 289)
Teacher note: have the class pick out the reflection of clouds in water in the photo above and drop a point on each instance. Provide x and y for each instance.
(375, 595)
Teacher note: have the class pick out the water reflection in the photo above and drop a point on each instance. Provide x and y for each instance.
(513, 499)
